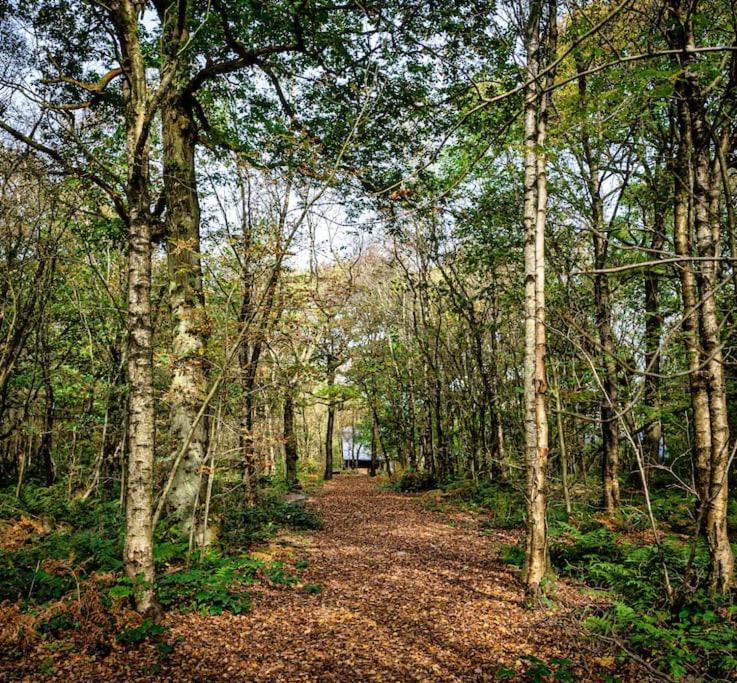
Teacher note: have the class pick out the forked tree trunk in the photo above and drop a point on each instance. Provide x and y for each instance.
(703, 343)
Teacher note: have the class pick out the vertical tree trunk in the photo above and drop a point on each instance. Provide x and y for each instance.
(331, 422)
(562, 444)
(45, 449)
(707, 241)
(609, 403)
(138, 550)
(290, 441)
(706, 361)
(138, 553)
(189, 370)
(653, 331)
(535, 210)
(412, 427)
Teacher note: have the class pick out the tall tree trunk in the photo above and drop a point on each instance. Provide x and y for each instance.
(139, 482)
(562, 443)
(188, 386)
(707, 225)
(331, 422)
(45, 449)
(138, 550)
(609, 403)
(535, 213)
(706, 363)
(653, 330)
(290, 441)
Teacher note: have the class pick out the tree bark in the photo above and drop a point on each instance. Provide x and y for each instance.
(534, 218)
(653, 330)
(138, 550)
(188, 386)
(290, 441)
(702, 331)
(609, 403)
(328, 474)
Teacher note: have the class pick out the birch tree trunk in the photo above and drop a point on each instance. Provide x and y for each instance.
(534, 218)
(706, 363)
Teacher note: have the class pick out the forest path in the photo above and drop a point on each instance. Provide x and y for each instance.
(408, 594)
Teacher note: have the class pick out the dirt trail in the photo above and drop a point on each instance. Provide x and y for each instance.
(408, 594)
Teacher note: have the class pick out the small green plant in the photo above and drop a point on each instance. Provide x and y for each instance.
(214, 585)
(539, 671)
(277, 576)
(313, 588)
(512, 554)
(146, 630)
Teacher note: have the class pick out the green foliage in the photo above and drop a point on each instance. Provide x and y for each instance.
(146, 630)
(277, 576)
(512, 554)
(214, 585)
(56, 623)
(505, 505)
(701, 638)
(413, 481)
(697, 635)
(313, 588)
(538, 671)
(243, 527)
(149, 631)
(84, 537)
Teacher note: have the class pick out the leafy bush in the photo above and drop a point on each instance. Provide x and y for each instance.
(414, 481)
(243, 527)
(505, 505)
(700, 639)
(699, 636)
(83, 537)
(512, 554)
(214, 585)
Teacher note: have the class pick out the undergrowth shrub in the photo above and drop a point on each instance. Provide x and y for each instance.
(502, 503)
(242, 527)
(75, 540)
(697, 636)
(213, 585)
(415, 481)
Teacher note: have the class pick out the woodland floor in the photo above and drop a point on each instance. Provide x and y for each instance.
(408, 594)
